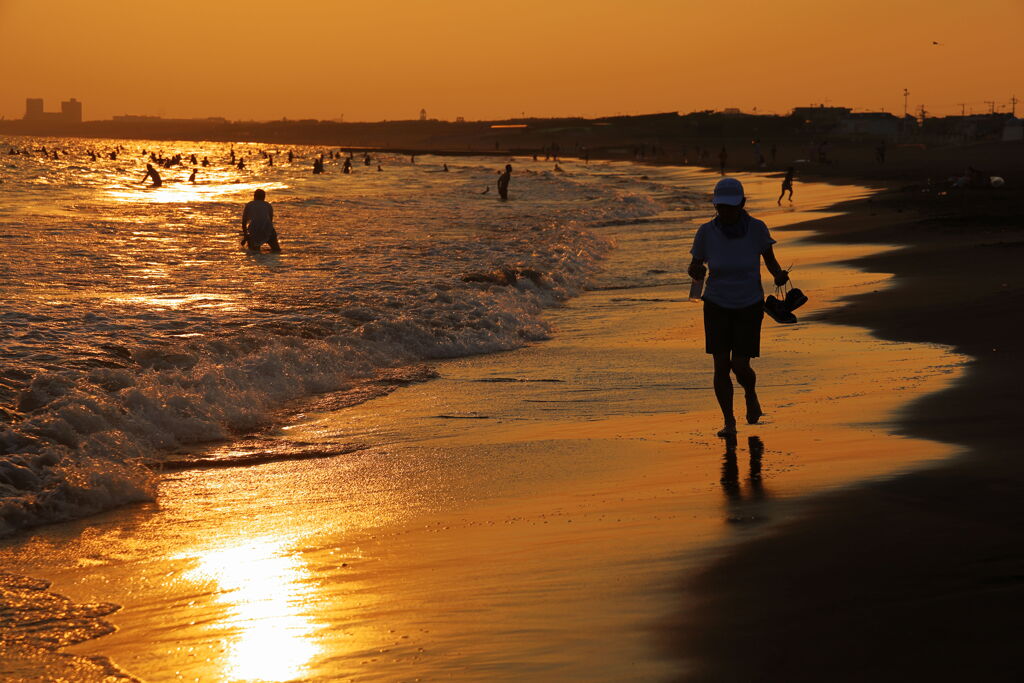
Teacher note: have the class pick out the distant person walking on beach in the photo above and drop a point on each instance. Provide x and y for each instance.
(503, 182)
(258, 223)
(723, 156)
(732, 246)
(787, 186)
(151, 173)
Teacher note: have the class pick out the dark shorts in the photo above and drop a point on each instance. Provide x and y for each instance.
(736, 330)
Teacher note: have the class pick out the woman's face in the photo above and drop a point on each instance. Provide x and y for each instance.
(728, 213)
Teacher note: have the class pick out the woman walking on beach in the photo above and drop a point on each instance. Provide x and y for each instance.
(732, 245)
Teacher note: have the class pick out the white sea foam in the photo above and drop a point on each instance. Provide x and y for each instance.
(136, 328)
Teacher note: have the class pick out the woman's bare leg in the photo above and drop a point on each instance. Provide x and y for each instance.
(723, 392)
(747, 378)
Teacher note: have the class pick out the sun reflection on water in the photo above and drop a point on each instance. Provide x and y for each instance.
(267, 588)
(211, 190)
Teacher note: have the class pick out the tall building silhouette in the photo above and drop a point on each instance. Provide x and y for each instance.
(34, 109)
(70, 111)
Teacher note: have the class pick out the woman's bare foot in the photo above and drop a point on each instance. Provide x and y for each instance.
(753, 409)
(729, 429)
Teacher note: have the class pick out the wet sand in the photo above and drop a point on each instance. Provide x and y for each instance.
(525, 516)
(918, 577)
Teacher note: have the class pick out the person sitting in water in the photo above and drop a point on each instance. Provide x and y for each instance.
(258, 223)
(151, 173)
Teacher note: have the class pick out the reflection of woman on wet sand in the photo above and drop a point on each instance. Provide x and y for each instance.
(732, 246)
(731, 486)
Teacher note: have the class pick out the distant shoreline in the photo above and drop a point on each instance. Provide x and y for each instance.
(656, 139)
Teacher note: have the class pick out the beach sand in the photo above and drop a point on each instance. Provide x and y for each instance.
(918, 577)
(531, 515)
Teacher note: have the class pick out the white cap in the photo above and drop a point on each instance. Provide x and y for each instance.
(728, 191)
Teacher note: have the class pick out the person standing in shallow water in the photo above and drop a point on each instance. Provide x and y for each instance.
(732, 246)
(258, 223)
(503, 180)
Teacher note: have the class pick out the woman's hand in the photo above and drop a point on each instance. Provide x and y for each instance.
(782, 278)
(697, 270)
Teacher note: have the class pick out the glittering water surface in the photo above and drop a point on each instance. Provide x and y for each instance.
(137, 331)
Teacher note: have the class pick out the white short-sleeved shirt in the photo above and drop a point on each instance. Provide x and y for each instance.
(734, 264)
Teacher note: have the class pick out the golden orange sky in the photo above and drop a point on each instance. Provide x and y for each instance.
(481, 59)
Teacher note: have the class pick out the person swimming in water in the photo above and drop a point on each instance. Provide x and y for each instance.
(192, 178)
(258, 224)
(151, 173)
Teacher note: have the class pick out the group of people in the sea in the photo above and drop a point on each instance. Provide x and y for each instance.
(726, 256)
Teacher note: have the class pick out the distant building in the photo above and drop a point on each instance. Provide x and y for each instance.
(423, 114)
(972, 128)
(34, 109)
(1013, 131)
(870, 124)
(70, 111)
(821, 115)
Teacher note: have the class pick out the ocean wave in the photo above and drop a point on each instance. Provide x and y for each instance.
(152, 338)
